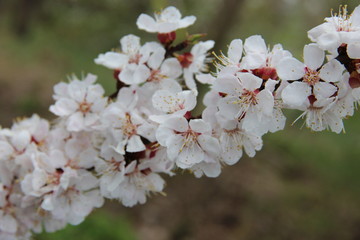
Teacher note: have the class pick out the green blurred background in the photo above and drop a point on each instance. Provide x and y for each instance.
(302, 185)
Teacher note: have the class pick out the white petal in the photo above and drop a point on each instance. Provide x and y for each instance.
(313, 56)
(209, 144)
(156, 58)
(171, 68)
(332, 71)
(76, 122)
(130, 44)
(235, 50)
(199, 126)
(190, 155)
(228, 84)
(324, 90)
(64, 107)
(142, 73)
(112, 60)
(353, 50)
(135, 144)
(255, 44)
(147, 23)
(179, 124)
(249, 81)
(189, 79)
(187, 21)
(290, 69)
(170, 14)
(231, 145)
(296, 93)
(229, 107)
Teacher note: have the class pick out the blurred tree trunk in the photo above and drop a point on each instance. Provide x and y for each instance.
(221, 24)
(23, 13)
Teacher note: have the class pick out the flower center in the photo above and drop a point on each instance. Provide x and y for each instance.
(85, 107)
(135, 59)
(128, 127)
(342, 21)
(311, 76)
(155, 76)
(249, 97)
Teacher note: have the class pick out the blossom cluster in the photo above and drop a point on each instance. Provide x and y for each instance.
(119, 146)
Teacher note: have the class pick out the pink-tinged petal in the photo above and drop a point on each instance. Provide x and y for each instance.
(235, 50)
(75, 122)
(112, 60)
(200, 126)
(332, 71)
(290, 69)
(324, 89)
(313, 56)
(296, 93)
(156, 58)
(64, 107)
(228, 84)
(255, 44)
(135, 144)
(209, 144)
(249, 81)
(171, 68)
(179, 124)
(147, 23)
(231, 145)
(130, 44)
(190, 155)
(353, 50)
(187, 21)
(230, 108)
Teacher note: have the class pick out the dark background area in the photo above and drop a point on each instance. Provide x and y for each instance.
(302, 185)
